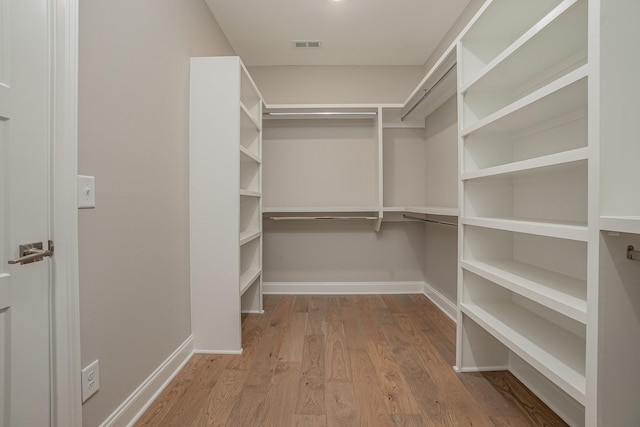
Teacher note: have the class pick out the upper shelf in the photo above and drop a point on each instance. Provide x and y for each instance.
(438, 85)
(563, 96)
(319, 210)
(621, 224)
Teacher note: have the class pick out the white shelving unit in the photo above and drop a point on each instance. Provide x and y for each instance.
(225, 194)
(525, 200)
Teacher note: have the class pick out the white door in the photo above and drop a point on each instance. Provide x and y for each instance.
(25, 98)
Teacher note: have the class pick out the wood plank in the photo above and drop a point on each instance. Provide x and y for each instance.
(368, 395)
(311, 397)
(408, 420)
(395, 389)
(301, 304)
(341, 405)
(224, 396)
(337, 360)
(186, 406)
(251, 408)
(517, 394)
(370, 361)
(293, 343)
(309, 420)
(282, 397)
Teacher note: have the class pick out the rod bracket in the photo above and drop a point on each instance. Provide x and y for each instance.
(632, 254)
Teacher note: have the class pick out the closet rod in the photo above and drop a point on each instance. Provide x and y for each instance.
(427, 93)
(284, 218)
(433, 221)
(320, 113)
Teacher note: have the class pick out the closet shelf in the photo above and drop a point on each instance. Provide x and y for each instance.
(564, 294)
(250, 193)
(555, 352)
(557, 229)
(250, 155)
(549, 31)
(424, 210)
(249, 236)
(563, 96)
(535, 164)
(444, 88)
(320, 210)
(247, 119)
(248, 278)
(621, 224)
(432, 210)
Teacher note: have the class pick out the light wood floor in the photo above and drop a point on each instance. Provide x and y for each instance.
(369, 361)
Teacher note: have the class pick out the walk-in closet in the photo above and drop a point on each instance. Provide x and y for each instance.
(500, 194)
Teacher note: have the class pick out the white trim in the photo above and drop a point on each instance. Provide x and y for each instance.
(476, 369)
(442, 302)
(342, 288)
(196, 351)
(139, 401)
(65, 315)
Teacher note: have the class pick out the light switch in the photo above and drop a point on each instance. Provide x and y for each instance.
(86, 192)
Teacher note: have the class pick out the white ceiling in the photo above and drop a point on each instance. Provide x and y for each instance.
(353, 32)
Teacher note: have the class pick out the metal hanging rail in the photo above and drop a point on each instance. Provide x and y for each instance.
(433, 221)
(428, 92)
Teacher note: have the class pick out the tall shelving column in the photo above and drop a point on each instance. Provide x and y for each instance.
(225, 196)
(524, 196)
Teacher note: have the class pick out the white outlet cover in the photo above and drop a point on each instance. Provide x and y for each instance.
(90, 380)
(86, 192)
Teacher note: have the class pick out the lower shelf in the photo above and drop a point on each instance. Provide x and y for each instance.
(553, 351)
(564, 294)
(247, 279)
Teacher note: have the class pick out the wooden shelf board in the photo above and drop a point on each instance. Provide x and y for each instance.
(247, 279)
(621, 224)
(561, 230)
(564, 294)
(248, 236)
(552, 160)
(567, 94)
(553, 351)
(250, 155)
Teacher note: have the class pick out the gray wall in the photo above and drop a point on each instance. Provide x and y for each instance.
(133, 136)
(441, 242)
(336, 84)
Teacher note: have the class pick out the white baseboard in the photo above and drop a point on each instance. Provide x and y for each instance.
(442, 302)
(138, 402)
(196, 351)
(363, 288)
(342, 288)
(476, 369)
(567, 408)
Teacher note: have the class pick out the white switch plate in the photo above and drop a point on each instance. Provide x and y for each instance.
(90, 380)
(86, 192)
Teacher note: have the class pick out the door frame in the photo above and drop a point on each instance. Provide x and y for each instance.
(66, 393)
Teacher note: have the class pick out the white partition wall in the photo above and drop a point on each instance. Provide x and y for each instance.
(225, 193)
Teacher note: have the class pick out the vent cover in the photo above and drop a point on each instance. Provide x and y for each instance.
(306, 44)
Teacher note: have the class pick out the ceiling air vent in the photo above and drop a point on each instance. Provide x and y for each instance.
(305, 44)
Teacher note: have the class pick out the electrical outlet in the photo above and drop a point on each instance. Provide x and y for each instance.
(90, 380)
